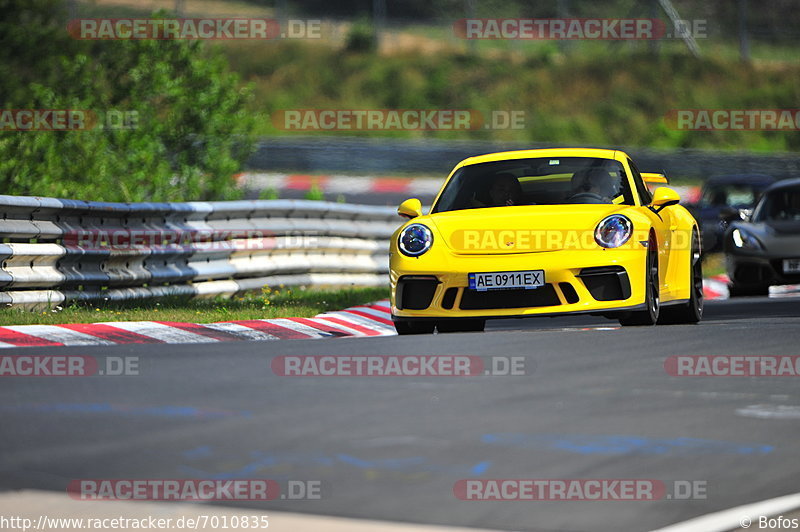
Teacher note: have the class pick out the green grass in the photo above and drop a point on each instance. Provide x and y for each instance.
(574, 93)
(611, 98)
(713, 264)
(279, 303)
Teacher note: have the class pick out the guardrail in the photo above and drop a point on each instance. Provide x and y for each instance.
(56, 250)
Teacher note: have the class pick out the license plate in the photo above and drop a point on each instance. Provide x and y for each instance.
(791, 266)
(528, 279)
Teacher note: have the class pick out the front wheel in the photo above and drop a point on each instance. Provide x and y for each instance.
(691, 312)
(652, 300)
(404, 327)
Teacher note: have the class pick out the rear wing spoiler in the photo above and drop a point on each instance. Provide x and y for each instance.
(655, 179)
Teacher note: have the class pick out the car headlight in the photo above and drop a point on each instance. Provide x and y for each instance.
(415, 240)
(743, 239)
(613, 231)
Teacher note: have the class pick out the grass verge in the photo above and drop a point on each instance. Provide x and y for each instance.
(278, 303)
(713, 264)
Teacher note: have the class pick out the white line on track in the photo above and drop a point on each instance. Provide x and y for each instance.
(734, 518)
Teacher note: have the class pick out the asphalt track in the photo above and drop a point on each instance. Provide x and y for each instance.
(596, 404)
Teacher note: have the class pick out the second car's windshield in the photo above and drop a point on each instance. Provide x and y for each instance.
(780, 205)
(725, 195)
(537, 181)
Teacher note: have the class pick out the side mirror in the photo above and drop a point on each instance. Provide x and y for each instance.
(664, 197)
(746, 214)
(410, 208)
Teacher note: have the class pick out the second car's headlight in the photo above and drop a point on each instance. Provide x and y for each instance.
(415, 240)
(613, 231)
(743, 239)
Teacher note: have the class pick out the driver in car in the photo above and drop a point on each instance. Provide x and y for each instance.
(505, 190)
(594, 185)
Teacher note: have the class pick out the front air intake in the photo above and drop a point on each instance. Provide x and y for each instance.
(415, 292)
(606, 283)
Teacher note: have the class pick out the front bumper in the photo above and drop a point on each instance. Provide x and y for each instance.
(751, 269)
(587, 281)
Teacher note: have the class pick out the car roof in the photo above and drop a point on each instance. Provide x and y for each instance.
(784, 183)
(542, 152)
(740, 179)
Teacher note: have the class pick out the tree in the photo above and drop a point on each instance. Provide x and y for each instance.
(185, 129)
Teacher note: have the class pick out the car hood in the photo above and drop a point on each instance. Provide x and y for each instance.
(522, 229)
(784, 227)
(780, 238)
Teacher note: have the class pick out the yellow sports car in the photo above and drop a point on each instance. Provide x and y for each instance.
(546, 232)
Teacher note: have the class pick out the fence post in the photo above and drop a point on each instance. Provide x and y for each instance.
(378, 20)
(563, 12)
(281, 14)
(679, 28)
(472, 44)
(744, 43)
(655, 44)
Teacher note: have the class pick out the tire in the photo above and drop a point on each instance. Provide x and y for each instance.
(463, 325)
(652, 299)
(691, 312)
(404, 327)
(738, 290)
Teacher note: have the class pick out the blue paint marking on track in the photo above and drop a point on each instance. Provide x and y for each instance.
(622, 444)
(260, 461)
(198, 452)
(127, 410)
(385, 463)
(480, 468)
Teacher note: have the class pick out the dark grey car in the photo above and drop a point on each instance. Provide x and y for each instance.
(722, 199)
(765, 250)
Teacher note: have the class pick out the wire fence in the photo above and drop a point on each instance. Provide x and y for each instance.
(745, 27)
(437, 157)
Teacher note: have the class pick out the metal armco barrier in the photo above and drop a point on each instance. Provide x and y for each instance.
(55, 250)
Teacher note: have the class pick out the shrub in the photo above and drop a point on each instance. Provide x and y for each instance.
(191, 131)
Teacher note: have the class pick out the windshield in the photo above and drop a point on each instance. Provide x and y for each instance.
(782, 204)
(740, 196)
(536, 181)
